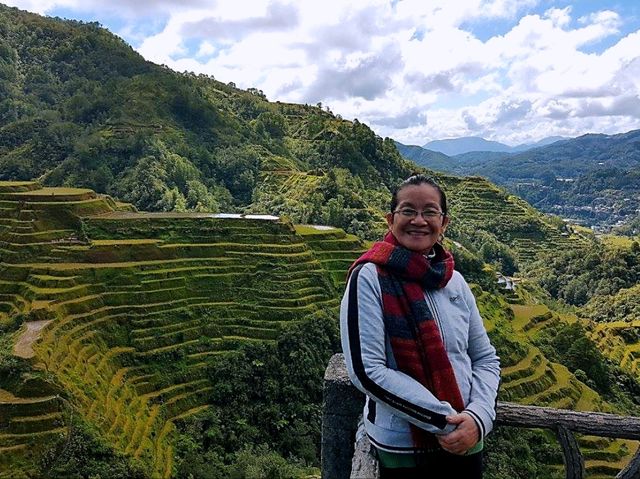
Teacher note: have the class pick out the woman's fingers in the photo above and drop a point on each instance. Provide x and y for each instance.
(463, 438)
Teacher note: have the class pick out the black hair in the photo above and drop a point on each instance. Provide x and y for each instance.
(419, 179)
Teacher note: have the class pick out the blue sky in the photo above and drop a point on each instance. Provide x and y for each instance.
(628, 10)
(509, 70)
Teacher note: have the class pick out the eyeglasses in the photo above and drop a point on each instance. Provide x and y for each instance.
(426, 214)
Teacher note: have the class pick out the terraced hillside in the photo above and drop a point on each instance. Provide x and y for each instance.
(171, 141)
(619, 341)
(121, 312)
(478, 204)
(117, 315)
(475, 205)
(528, 377)
(325, 196)
(334, 248)
(615, 329)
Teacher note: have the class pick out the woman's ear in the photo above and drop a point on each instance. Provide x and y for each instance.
(389, 217)
(445, 223)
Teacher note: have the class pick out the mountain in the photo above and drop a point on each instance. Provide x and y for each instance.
(544, 142)
(591, 179)
(475, 159)
(459, 146)
(571, 158)
(81, 108)
(181, 343)
(422, 156)
(456, 146)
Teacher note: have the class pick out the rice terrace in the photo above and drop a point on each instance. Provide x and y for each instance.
(123, 311)
(119, 315)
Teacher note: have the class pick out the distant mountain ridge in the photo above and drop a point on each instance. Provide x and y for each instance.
(422, 156)
(458, 146)
(573, 178)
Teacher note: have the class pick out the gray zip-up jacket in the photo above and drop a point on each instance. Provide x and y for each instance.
(394, 399)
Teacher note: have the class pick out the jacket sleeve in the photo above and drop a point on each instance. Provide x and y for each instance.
(364, 345)
(485, 365)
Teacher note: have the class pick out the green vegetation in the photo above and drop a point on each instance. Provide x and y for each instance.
(624, 306)
(83, 453)
(434, 160)
(570, 345)
(602, 196)
(521, 454)
(501, 228)
(582, 273)
(615, 321)
(139, 321)
(165, 141)
(553, 361)
(194, 344)
(83, 109)
(269, 396)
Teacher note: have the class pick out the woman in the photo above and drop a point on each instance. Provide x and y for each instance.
(415, 344)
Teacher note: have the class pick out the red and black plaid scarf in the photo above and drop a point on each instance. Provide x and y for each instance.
(415, 338)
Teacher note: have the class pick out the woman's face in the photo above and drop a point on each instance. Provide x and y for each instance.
(418, 233)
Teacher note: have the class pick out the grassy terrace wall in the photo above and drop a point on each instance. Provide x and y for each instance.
(528, 377)
(334, 248)
(476, 202)
(120, 313)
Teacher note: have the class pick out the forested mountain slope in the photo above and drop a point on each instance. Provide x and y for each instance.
(423, 156)
(83, 109)
(80, 107)
(571, 158)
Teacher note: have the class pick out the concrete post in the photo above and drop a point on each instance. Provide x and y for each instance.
(342, 406)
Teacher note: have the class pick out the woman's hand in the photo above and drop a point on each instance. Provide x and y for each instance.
(463, 437)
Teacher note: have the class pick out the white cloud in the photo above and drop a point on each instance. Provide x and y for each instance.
(505, 8)
(206, 49)
(42, 6)
(560, 17)
(605, 17)
(277, 18)
(123, 8)
(366, 60)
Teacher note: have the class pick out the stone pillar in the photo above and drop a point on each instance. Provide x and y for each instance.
(364, 464)
(342, 406)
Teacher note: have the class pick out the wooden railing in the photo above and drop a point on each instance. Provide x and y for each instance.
(343, 407)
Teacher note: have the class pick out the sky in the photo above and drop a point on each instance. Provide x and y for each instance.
(514, 71)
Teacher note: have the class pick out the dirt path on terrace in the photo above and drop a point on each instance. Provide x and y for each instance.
(24, 346)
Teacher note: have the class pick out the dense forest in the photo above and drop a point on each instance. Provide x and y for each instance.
(596, 269)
